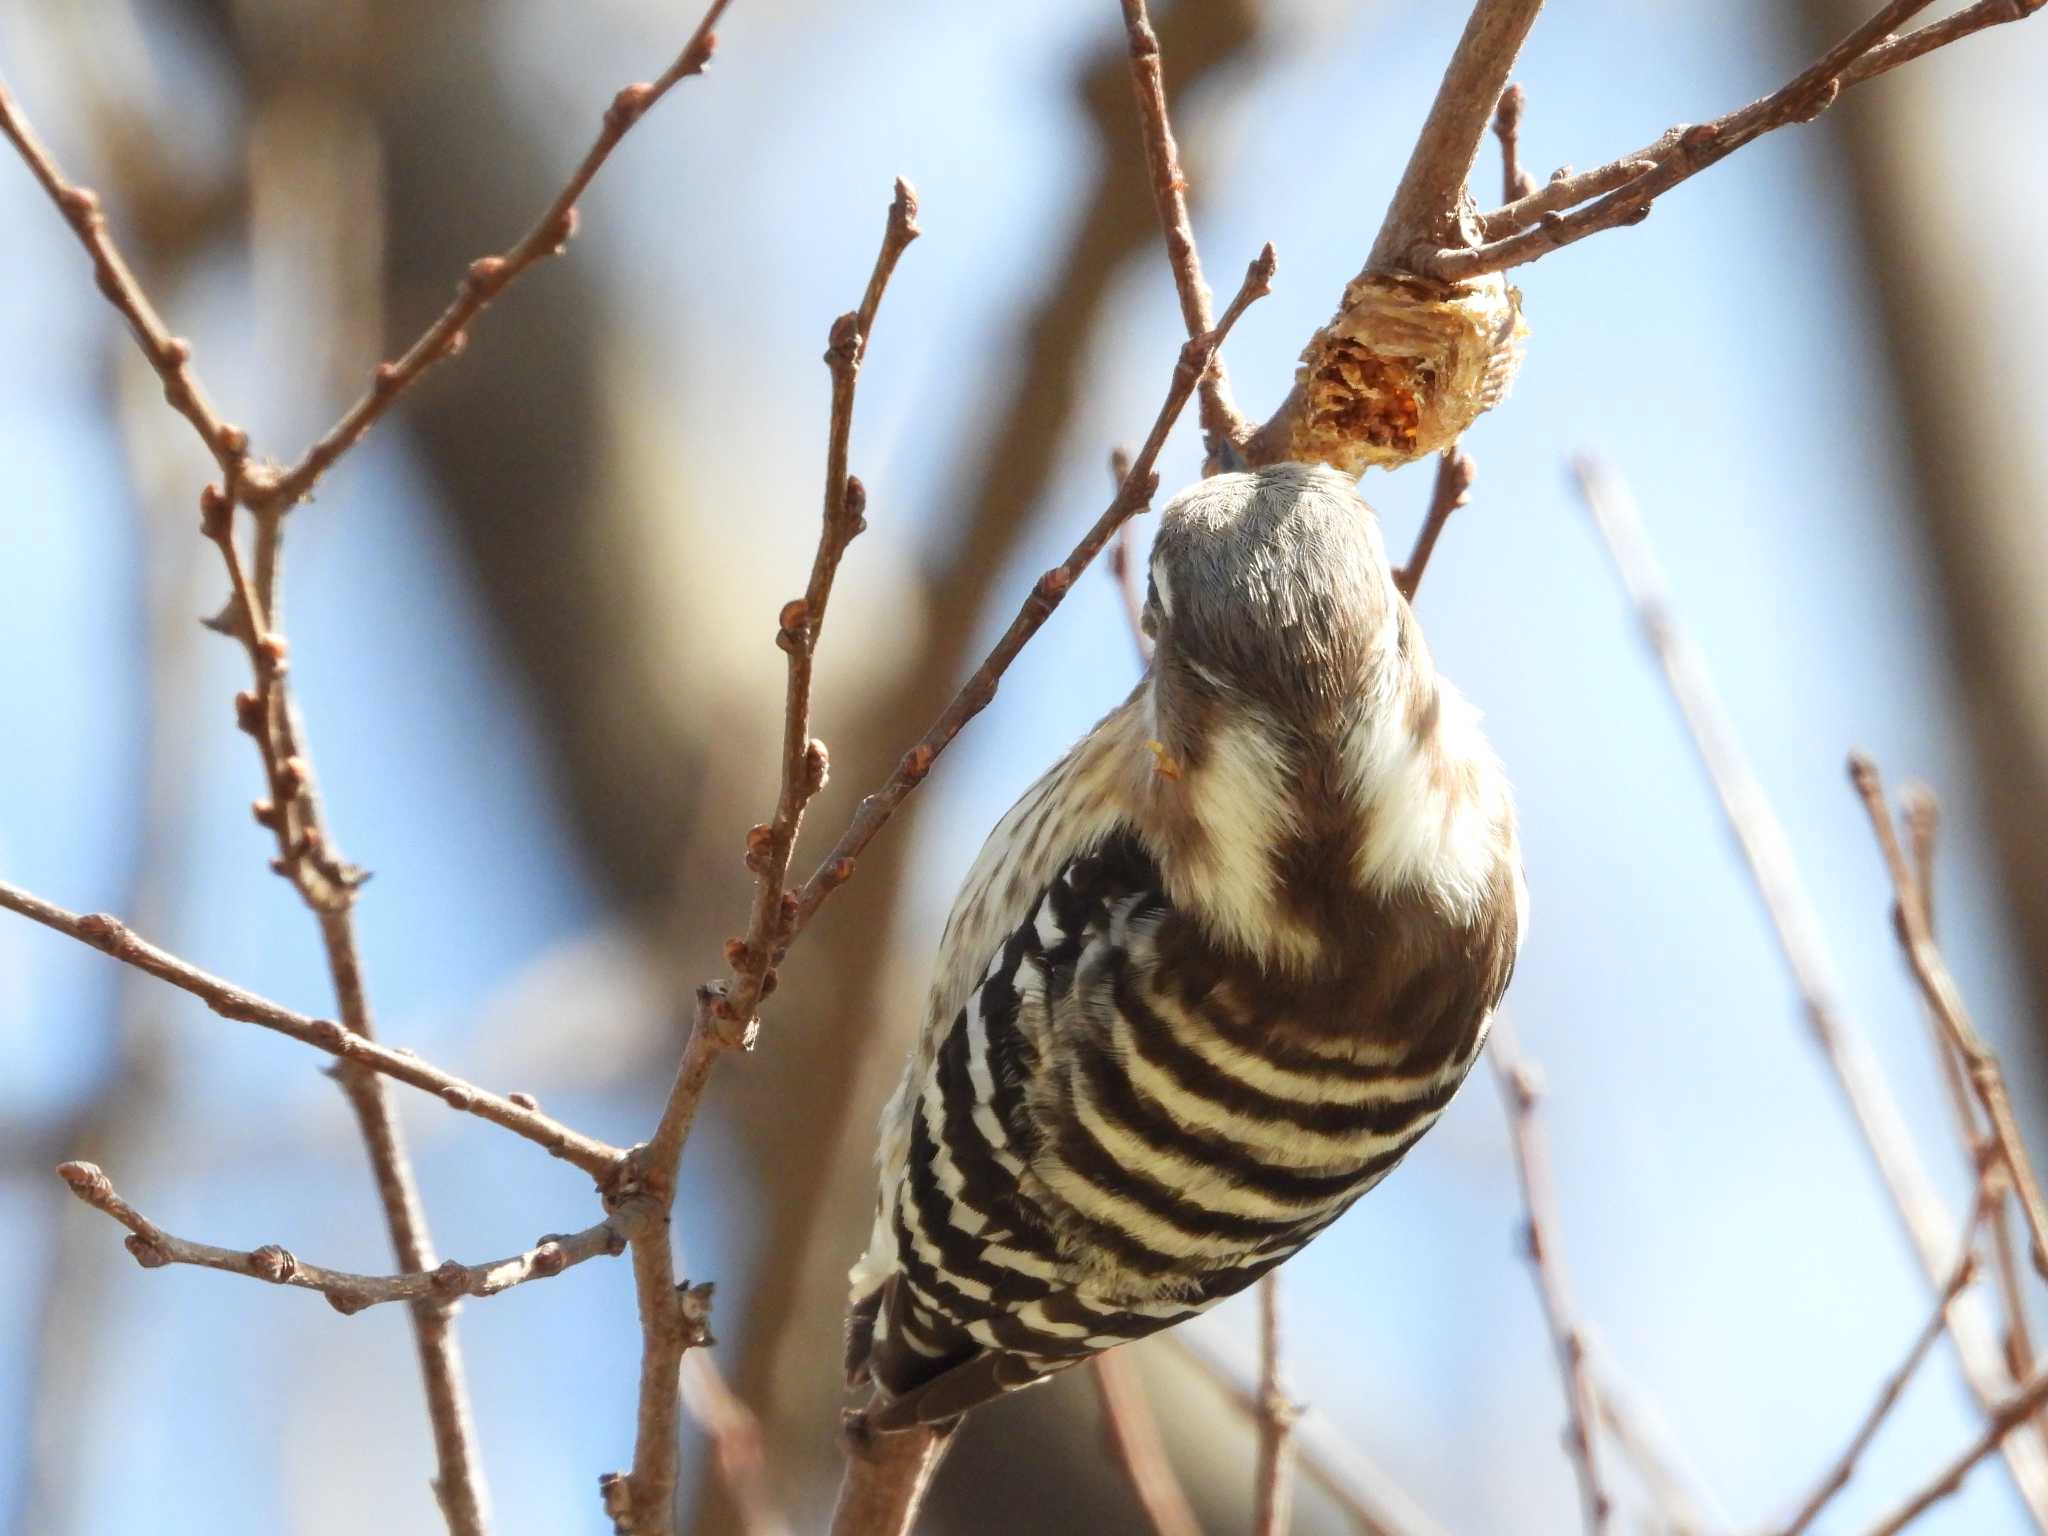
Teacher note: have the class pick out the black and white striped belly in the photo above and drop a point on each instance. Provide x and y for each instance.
(1106, 1141)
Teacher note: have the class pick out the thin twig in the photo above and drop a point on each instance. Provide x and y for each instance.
(169, 355)
(1223, 427)
(1273, 1486)
(1372, 1500)
(1521, 1087)
(1621, 191)
(1046, 594)
(2006, 1416)
(267, 491)
(1836, 1478)
(154, 1248)
(1767, 853)
(486, 279)
(1132, 1434)
(516, 1113)
(724, 1019)
(1427, 209)
(1455, 472)
(802, 621)
(1922, 817)
(1938, 985)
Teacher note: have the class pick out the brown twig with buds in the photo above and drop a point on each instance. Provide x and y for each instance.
(725, 1014)
(154, 1248)
(1575, 205)
(1132, 1436)
(1922, 817)
(1521, 1087)
(517, 1113)
(1455, 473)
(1223, 427)
(1760, 835)
(1912, 920)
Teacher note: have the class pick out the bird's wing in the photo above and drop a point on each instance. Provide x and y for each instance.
(1122, 1124)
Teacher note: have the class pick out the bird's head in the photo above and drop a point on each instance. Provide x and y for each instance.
(1270, 590)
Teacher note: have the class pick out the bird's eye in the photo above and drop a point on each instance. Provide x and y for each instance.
(1148, 620)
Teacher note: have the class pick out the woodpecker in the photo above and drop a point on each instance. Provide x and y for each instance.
(1210, 978)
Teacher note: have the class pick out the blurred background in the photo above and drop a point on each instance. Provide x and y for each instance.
(531, 624)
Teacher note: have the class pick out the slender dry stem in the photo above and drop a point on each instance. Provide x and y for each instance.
(516, 1113)
(1455, 472)
(486, 279)
(1912, 919)
(154, 1248)
(1223, 428)
(1521, 1089)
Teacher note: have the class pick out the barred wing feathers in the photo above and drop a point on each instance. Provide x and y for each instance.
(1123, 1123)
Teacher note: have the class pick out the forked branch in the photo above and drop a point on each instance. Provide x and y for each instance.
(1575, 205)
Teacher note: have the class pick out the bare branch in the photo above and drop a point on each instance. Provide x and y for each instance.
(802, 621)
(1223, 428)
(2006, 1416)
(1455, 472)
(1760, 835)
(1273, 1505)
(1428, 207)
(517, 1114)
(487, 278)
(1046, 594)
(671, 1322)
(169, 355)
(1621, 191)
(1922, 817)
(154, 1248)
(1133, 1437)
(1965, 1271)
(1521, 1087)
(1911, 917)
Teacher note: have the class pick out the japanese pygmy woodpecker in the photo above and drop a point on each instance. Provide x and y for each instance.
(1211, 977)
